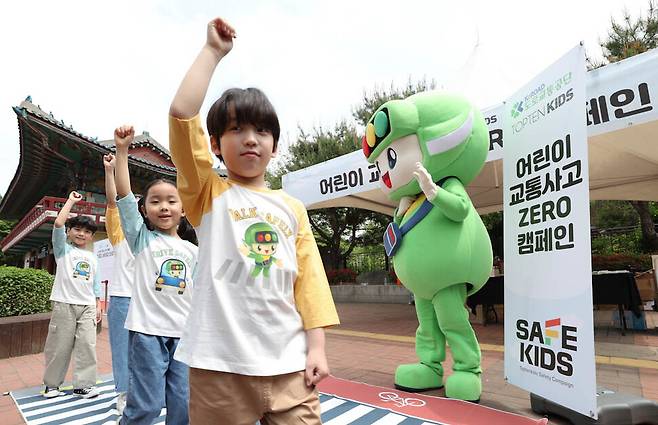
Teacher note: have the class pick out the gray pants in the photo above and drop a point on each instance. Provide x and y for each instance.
(72, 329)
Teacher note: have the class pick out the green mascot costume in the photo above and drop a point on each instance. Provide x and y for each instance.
(427, 148)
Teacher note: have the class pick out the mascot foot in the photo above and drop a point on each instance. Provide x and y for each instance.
(417, 377)
(464, 386)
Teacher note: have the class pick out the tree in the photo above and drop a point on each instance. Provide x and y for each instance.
(625, 39)
(5, 228)
(339, 230)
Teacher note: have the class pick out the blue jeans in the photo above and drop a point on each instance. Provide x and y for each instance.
(116, 317)
(156, 380)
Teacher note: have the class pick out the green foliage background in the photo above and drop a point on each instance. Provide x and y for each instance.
(24, 291)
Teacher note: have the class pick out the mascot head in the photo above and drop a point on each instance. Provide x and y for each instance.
(444, 132)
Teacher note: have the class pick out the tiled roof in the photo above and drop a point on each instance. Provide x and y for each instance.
(27, 107)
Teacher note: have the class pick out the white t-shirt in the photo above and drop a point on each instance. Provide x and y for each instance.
(261, 283)
(124, 261)
(164, 270)
(76, 279)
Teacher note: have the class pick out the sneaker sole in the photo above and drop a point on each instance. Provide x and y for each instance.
(52, 395)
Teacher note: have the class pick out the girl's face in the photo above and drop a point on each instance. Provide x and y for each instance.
(163, 207)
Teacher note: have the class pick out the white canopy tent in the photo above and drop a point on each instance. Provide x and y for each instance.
(622, 116)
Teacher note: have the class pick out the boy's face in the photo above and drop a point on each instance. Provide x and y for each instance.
(246, 150)
(79, 236)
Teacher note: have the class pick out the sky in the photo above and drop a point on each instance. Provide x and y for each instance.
(98, 65)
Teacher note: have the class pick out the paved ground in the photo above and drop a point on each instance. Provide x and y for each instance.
(374, 338)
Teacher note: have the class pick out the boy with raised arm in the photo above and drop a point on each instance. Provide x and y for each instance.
(254, 338)
(76, 305)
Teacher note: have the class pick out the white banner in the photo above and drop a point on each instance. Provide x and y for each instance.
(104, 252)
(549, 332)
(618, 95)
(342, 176)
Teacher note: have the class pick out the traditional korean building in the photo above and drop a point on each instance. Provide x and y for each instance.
(54, 160)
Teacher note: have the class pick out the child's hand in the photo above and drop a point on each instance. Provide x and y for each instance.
(123, 136)
(317, 367)
(75, 197)
(109, 162)
(220, 36)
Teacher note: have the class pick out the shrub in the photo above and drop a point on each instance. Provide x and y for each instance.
(637, 263)
(24, 291)
(338, 276)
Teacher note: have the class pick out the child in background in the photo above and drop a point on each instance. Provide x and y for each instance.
(120, 287)
(255, 338)
(76, 305)
(164, 266)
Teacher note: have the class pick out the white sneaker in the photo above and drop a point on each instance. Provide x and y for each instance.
(51, 392)
(121, 403)
(89, 392)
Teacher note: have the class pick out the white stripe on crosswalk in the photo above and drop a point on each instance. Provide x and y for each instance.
(390, 419)
(75, 405)
(47, 401)
(350, 416)
(330, 404)
(95, 418)
(72, 412)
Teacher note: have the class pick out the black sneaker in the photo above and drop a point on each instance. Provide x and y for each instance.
(89, 392)
(51, 392)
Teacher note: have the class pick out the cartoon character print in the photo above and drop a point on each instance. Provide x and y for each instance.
(172, 273)
(260, 243)
(82, 270)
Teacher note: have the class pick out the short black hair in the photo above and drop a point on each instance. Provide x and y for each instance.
(251, 107)
(81, 221)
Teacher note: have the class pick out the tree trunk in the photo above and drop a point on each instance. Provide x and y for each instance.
(649, 240)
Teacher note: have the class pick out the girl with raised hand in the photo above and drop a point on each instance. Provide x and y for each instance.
(164, 266)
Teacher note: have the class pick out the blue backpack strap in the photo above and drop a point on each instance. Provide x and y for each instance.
(393, 234)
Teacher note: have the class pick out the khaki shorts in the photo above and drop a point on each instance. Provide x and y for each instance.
(228, 398)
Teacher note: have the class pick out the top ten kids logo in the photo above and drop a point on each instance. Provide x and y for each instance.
(551, 349)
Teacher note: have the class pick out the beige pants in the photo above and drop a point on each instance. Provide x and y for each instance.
(227, 398)
(72, 329)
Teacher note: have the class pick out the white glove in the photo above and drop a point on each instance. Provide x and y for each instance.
(425, 181)
(405, 203)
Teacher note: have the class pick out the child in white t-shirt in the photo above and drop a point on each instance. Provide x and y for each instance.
(76, 309)
(164, 269)
(255, 336)
(120, 286)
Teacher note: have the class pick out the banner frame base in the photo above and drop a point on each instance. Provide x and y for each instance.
(613, 409)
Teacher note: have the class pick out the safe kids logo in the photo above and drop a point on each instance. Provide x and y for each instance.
(549, 348)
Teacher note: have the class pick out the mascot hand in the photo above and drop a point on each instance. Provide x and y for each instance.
(403, 206)
(425, 181)
(279, 263)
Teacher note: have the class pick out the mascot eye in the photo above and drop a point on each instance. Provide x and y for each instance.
(392, 158)
(381, 124)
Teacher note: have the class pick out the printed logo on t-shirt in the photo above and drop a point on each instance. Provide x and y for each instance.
(82, 270)
(260, 243)
(172, 274)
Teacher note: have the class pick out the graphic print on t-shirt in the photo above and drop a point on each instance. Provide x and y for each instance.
(172, 273)
(82, 270)
(260, 243)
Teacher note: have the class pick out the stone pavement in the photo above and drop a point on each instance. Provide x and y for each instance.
(374, 338)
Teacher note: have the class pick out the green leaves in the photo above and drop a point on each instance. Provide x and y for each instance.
(24, 291)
